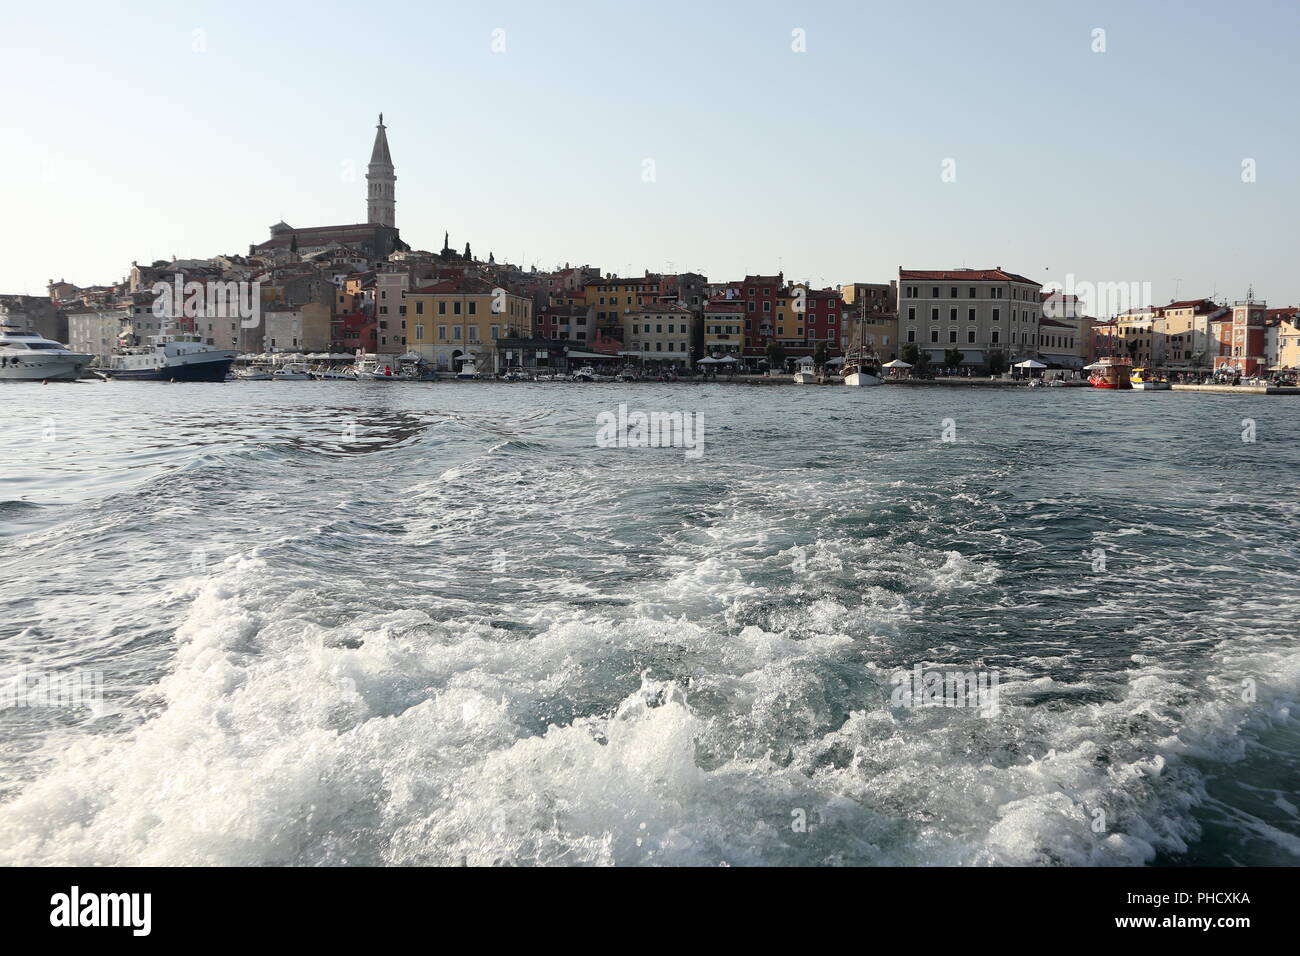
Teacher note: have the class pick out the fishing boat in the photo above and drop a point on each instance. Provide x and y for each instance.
(584, 374)
(170, 357)
(1111, 371)
(1144, 379)
(468, 370)
(808, 377)
(862, 364)
(27, 357)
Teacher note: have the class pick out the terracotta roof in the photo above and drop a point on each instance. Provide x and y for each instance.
(464, 286)
(964, 275)
(1201, 305)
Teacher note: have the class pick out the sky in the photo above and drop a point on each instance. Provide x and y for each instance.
(833, 141)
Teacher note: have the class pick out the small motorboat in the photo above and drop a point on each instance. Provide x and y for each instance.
(584, 374)
(468, 370)
(1145, 380)
(292, 372)
(805, 378)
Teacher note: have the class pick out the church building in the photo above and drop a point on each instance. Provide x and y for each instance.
(377, 237)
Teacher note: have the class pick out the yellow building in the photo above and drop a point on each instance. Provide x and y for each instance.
(724, 328)
(451, 322)
(879, 332)
(1288, 342)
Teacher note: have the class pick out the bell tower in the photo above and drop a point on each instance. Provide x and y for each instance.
(380, 181)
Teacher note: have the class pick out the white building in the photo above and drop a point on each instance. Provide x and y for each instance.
(975, 310)
(96, 331)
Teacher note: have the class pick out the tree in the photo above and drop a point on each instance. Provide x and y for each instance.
(915, 357)
(468, 256)
(952, 358)
(775, 356)
(997, 361)
(820, 354)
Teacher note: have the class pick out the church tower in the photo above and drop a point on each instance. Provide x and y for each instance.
(381, 182)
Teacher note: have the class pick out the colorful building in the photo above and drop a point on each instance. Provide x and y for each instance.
(724, 328)
(1241, 338)
(451, 322)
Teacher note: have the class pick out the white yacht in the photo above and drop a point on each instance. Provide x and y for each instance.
(27, 357)
(585, 374)
(468, 369)
(171, 357)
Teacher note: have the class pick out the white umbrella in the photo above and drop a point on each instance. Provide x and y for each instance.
(708, 361)
(727, 358)
(1030, 363)
(804, 360)
(896, 363)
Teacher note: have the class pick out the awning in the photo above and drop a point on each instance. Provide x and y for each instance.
(576, 354)
(1070, 361)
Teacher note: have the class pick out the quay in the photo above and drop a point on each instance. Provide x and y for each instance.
(1240, 389)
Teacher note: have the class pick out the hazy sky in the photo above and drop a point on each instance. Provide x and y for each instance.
(129, 135)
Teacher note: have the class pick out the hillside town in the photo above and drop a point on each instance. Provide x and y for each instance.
(360, 289)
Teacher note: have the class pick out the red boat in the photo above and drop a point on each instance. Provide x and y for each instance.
(1111, 371)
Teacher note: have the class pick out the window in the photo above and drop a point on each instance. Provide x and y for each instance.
(970, 336)
(473, 307)
(455, 308)
(442, 308)
(952, 315)
(419, 331)
(952, 336)
(972, 292)
(419, 307)
(911, 314)
(934, 315)
(970, 315)
(473, 333)
(934, 335)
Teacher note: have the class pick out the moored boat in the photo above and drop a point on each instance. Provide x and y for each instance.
(169, 358)
(28, 357)
(1144, 379)
(292, 372)
(1111, 371)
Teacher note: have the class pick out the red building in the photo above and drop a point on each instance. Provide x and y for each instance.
(823, 318)
(759, 295)
(354, 330)
(1241, 339)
